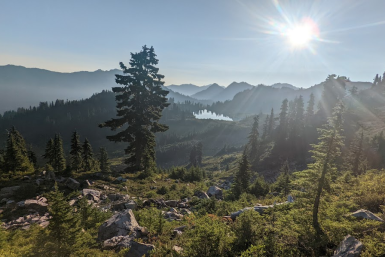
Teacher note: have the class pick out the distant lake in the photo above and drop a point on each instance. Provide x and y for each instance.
(210, 115)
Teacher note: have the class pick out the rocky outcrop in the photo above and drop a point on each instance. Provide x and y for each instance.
(92, 194)
(121, 224)
(349, 247)
(171, 203)
(25, 222)
(120, 231)
(201, 195)
(6, 192)
(215, 191)
(35, 205)
(365, 214)
(139, 249)
(72, 184)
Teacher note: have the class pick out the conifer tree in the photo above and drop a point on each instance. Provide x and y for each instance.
(16, 154)
(283, 121)
(49, 152)
(265, 128)
(325, 154)
(253, 141)
(283, 181)
(140, 102)
(104, 161)
(64, 226)
(242, 177)
(59, 161)
(356, 154)
(88, 155)
(76, 152)
(310, 109)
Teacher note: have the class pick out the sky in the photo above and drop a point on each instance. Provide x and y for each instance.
(201, 41)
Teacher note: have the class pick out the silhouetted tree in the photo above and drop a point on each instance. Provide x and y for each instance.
(59, 161)
(325, 154)
(104, 161)
(253, 141)
(16, 154)
(88, 156)
(76, 152)
(140, 102)
(242, 177)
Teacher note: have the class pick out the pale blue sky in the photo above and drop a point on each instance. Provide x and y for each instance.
(200, 41)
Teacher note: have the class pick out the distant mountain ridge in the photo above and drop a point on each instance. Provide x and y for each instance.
(209, 93)
(24, 87)
(187, 89)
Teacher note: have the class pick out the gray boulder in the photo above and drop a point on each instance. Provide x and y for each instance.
(365, 214)
(38, 206)
(349, 247)
(215, 191)
(171, 203)
(139, 249)
(117, 197)
(92, 194)
(121, 224)
(201, 195)
(6, 192)
(72, 184)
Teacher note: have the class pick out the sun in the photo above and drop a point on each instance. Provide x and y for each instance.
(301, 35)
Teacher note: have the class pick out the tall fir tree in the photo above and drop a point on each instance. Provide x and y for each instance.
(310, 110)
(325, 154)
(64, 226)
(253, 143)
(265, 128)
(242, 177)
(283, 122)
(49, 152)
(140, 102)
(104, 162)
(16, 153)
(59, 161)
(76, 152)
(88, 155)
(356, 158)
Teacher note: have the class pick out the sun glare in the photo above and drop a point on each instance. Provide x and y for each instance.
(300, 36)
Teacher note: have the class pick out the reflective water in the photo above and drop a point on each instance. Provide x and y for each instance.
(211, 115)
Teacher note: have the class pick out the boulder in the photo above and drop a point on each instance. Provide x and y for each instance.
(8, 191)
(215, 191)
(38, 206)
(120, 224)
(365, 214)
(201, 195)
(92, 194)
(117, 197)
(117, 243)
(139, 249)
(234, 215)
(349, 247)
(171, 203)
(130, 205)
(72, 184)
